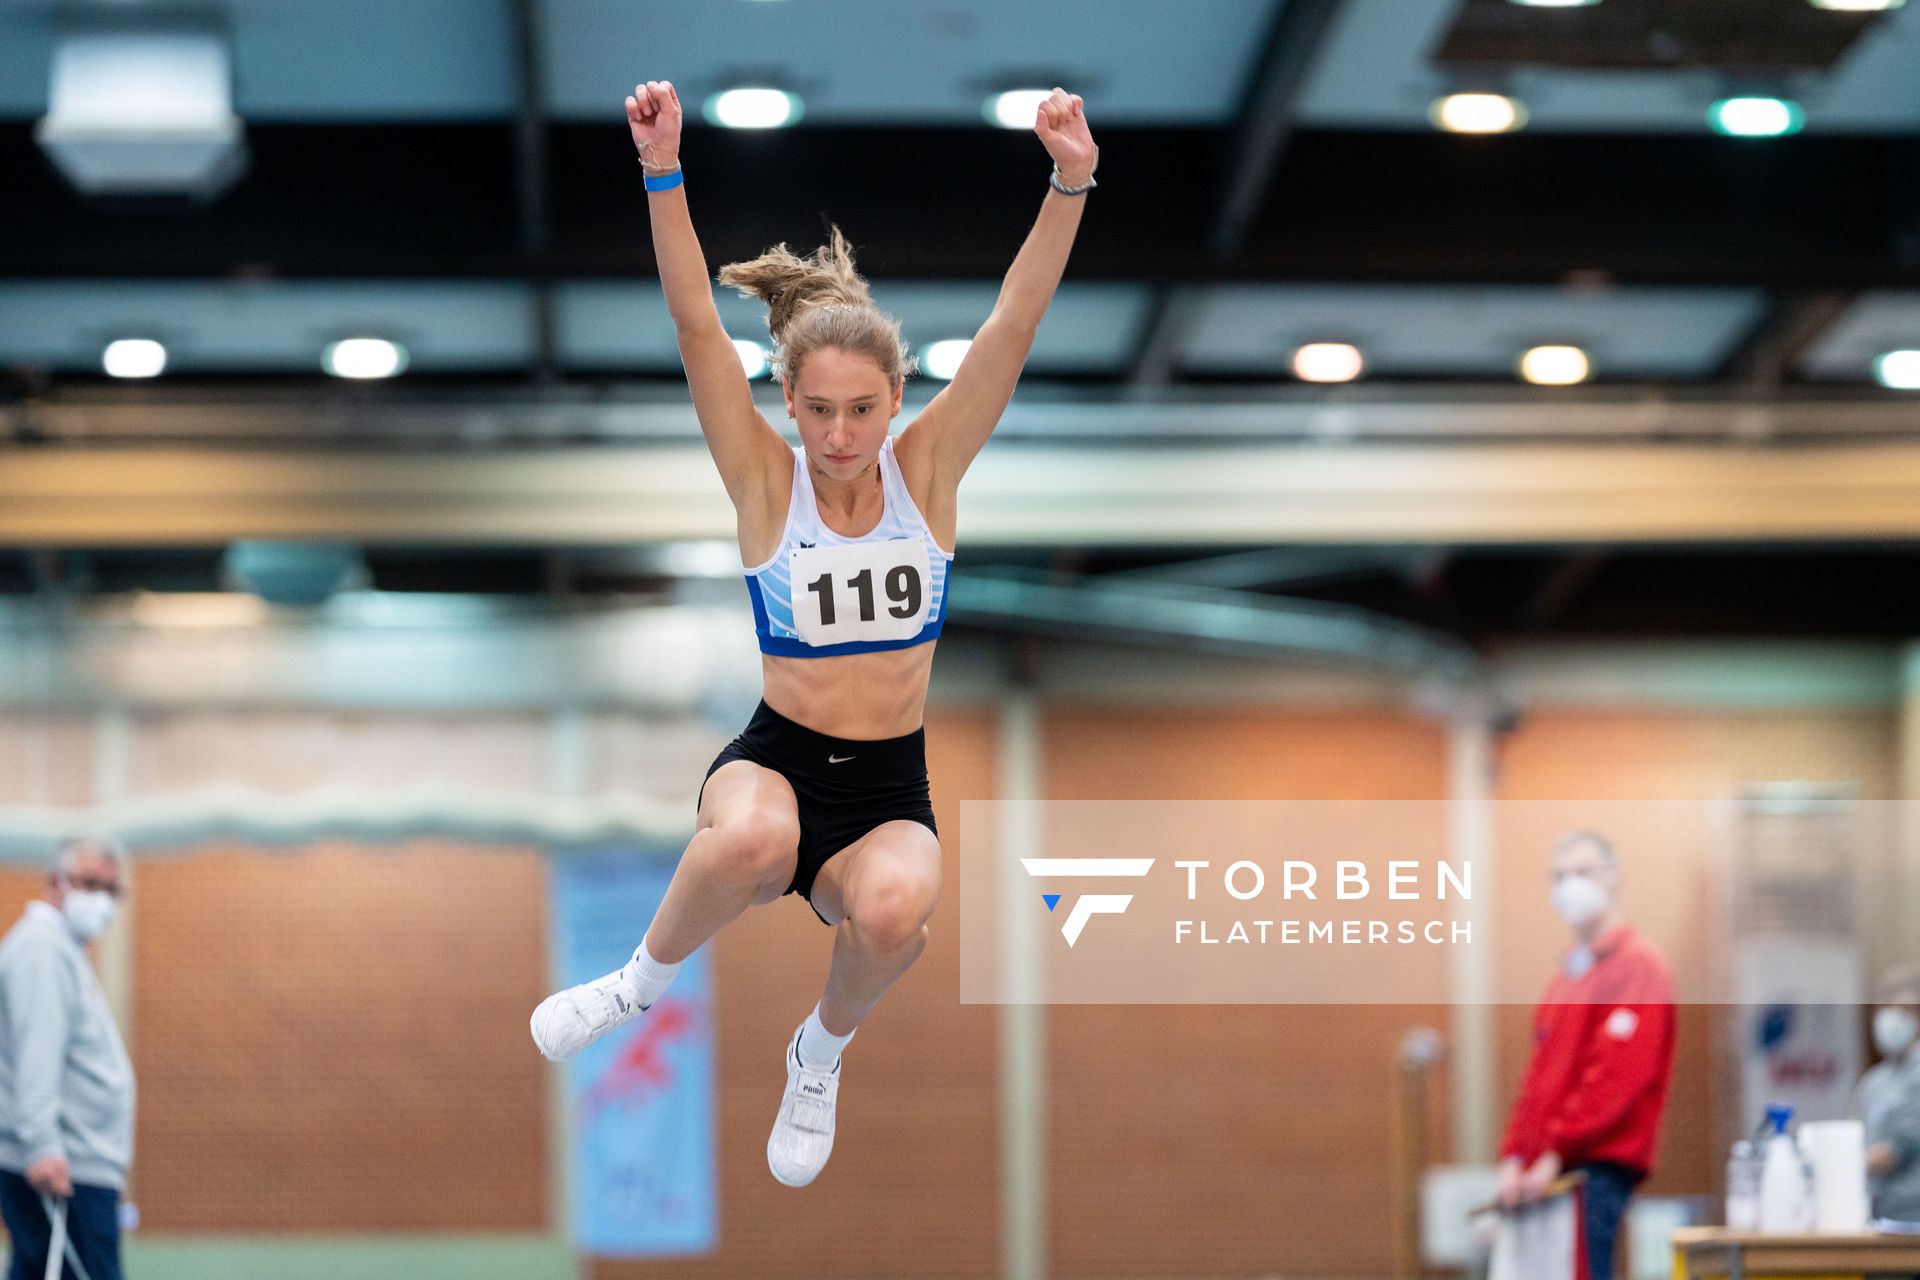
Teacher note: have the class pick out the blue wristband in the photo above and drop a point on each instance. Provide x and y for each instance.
(666, 181)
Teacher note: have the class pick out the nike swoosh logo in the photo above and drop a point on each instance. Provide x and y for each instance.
(838, 759)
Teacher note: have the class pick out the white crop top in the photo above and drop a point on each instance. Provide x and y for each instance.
(822, 594)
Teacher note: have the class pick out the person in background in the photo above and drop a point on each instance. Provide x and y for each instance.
(66, 1084)
(1596, 1085)
(1888, 1099)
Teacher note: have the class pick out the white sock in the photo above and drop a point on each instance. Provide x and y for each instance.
(646, 977)
(819, 1047)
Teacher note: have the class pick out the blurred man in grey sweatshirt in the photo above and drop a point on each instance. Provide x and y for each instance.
(66, 1084)
(1889, 1098)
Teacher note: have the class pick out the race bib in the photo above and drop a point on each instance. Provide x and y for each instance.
(861, 591)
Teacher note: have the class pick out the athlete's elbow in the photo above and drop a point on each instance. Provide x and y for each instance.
(1017, 321)
(694, 324)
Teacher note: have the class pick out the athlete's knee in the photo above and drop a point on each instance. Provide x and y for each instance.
(892, 912)
(757, 845)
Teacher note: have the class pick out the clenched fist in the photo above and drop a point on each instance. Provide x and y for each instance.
(1061, 123)
(653, 117)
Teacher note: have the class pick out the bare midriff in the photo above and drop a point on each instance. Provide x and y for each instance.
(852, 695)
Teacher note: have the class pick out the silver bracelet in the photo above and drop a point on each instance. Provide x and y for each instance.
(1053, 180)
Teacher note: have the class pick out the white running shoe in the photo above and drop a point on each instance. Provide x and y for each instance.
(802, 1136)
(568, 1021)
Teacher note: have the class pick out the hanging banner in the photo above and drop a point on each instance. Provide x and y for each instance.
(640, 1100)
(1799, 1003)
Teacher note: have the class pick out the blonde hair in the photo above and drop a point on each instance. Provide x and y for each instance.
(819, 302)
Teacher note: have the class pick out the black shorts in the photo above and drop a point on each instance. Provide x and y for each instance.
(843, 787)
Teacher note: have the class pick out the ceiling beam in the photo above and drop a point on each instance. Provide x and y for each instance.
(1280, 568)
(1764, 361)
(409, 416)
(531, 177)
(1044, 495)
(1192, 618)
(1264, 126)
(1267, 118)
(1171, 317)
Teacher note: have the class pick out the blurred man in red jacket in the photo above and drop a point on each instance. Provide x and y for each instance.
(1602, 1055)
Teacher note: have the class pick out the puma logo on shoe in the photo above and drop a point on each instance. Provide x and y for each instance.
(568, 1021)
(817, 1091)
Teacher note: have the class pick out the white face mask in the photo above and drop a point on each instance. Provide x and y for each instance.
(1893, 1030)
(1579, 900)
(88, 912)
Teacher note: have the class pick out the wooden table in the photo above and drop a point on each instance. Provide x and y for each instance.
(1715, 1251)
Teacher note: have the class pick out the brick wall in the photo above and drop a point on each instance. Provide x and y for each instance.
(334, 1039)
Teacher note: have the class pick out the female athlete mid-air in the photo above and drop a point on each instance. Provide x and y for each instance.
(846, 542)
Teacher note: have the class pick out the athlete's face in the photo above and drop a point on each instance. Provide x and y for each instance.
(844, 404)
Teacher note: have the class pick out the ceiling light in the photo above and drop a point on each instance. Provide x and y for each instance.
(753, 356)
(146, 110)
(1755, 117)
(1016, 108)
(1554, 366)
(1898, 369)
(942, 359)
(364, 358)
(1477, 113)
(1327, 362)
(1857, 6)
(134, 358)
(753, 108)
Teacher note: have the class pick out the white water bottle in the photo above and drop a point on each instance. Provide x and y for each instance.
(1783, 1177)
(1743, 1187)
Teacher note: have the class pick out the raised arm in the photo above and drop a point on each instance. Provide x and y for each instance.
(745, 447)
(964, 414)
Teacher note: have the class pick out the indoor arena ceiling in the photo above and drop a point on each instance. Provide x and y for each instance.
(453, 174)
(888, 62)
